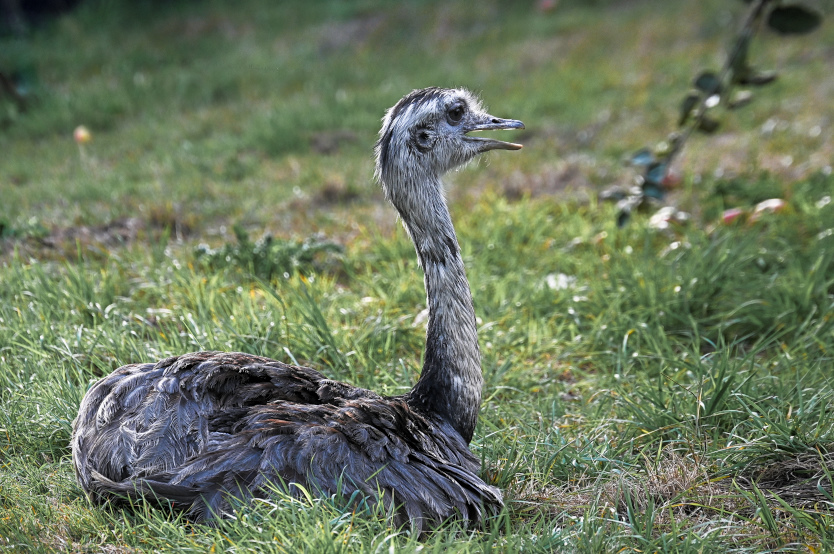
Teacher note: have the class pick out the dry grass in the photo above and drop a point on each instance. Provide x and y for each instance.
(681, 492)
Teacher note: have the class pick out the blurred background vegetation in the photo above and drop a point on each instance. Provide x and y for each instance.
(203, 114)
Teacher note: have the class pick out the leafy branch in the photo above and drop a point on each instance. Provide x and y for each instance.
(710, 90)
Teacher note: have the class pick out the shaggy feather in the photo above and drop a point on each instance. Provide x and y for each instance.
(202, 429)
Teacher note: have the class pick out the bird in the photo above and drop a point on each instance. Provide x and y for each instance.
(204, 430)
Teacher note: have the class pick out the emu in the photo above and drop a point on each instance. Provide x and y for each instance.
(201, 429)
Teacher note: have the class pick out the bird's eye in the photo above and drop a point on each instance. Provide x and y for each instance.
(455, 114)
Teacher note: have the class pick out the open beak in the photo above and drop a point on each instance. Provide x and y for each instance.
(489, 123)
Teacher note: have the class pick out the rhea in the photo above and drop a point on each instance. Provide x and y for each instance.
(202, 429)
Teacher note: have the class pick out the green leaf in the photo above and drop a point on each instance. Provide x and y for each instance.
(708, 82)
(708, 125)
(688, 105)
(655, 174)
(755, 77)
(652, 190)
(794, 19)
(642, 157)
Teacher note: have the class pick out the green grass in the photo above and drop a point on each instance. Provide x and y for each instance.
(646, 390)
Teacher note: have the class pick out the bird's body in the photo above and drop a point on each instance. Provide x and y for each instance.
(194, 428)
(201, 428)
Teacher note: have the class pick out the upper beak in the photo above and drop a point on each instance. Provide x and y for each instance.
(490, 123)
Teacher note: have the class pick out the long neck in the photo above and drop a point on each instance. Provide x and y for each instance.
(451, 381)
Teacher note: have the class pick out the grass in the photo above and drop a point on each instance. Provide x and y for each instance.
(646, 390)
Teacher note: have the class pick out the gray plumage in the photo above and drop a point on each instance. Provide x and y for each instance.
(201, 428)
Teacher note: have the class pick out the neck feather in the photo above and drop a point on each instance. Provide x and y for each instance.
(451, 381)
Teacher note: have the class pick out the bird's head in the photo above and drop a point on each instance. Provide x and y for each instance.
(425, 135)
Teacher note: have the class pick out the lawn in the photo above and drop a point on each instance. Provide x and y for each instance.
(647, 389)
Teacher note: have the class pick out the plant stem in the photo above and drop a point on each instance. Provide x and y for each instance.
(746, 33)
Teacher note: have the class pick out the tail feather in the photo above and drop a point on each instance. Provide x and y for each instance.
(181, 496)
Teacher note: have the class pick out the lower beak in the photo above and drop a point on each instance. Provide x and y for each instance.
(489, 123)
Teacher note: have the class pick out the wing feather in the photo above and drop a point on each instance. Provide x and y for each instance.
(200, 429)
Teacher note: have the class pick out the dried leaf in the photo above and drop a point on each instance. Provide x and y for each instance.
(625, 207)
(740, 99)
(614, 193)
